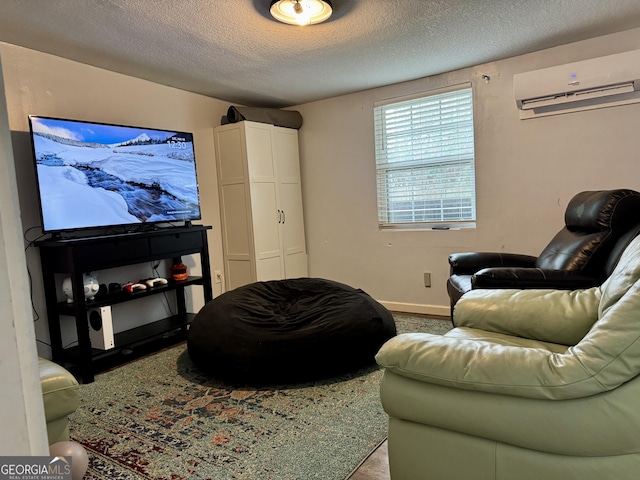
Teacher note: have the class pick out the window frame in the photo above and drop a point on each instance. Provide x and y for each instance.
(383, 168)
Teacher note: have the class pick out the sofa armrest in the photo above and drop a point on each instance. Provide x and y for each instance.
(61, 397)
(518, 277)
(467, 263)
(556, 316)
(485, 366)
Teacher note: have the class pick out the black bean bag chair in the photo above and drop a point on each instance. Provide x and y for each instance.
(286, 331)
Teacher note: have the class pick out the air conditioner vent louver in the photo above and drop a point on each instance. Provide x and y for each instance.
(578, 95)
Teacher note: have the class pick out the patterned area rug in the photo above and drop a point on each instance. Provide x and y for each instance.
(159, 418)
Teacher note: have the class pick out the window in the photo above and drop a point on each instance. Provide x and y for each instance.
(425, 160)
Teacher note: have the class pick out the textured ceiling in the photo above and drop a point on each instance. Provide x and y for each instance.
(232, 50)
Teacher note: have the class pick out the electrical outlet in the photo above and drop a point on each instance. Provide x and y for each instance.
(427, 279)
(217, 275)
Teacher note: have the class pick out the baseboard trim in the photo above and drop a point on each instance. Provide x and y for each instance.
(417, 308)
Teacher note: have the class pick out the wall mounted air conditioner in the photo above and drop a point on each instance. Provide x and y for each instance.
(594, 83)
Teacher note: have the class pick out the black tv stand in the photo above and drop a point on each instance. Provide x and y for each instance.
(76, 256)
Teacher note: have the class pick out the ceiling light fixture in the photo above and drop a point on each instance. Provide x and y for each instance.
(301, 12)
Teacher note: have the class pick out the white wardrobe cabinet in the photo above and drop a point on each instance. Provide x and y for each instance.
(261, 203)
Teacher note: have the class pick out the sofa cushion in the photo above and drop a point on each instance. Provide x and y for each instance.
(624, 277)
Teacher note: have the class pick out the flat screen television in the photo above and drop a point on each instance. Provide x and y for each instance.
(93, 175)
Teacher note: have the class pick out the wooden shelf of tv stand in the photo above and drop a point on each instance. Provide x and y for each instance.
(171, 328)
(66, 308)
(76, 256)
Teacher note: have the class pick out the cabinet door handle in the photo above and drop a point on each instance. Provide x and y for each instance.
(279, 216)
(284, 217)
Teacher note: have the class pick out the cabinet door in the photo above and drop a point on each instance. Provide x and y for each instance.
(265, 200)
(235, 206)
(290, 196)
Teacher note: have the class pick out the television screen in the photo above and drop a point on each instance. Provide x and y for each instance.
(93, 175)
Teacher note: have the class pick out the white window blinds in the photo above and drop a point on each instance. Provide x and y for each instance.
(425, 160)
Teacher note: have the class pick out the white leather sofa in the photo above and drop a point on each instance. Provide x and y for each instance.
(531, 385)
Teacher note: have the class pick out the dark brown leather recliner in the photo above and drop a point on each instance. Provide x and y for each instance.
(598, 227)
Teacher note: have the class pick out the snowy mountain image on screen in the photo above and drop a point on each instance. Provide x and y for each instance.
(88, 180)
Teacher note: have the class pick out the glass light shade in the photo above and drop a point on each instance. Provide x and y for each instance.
(301, 12)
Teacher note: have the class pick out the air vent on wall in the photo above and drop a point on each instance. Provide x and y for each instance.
(595, 83)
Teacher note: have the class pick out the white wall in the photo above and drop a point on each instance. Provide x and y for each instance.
(21, 410)
(42, 84)
(526, 172)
